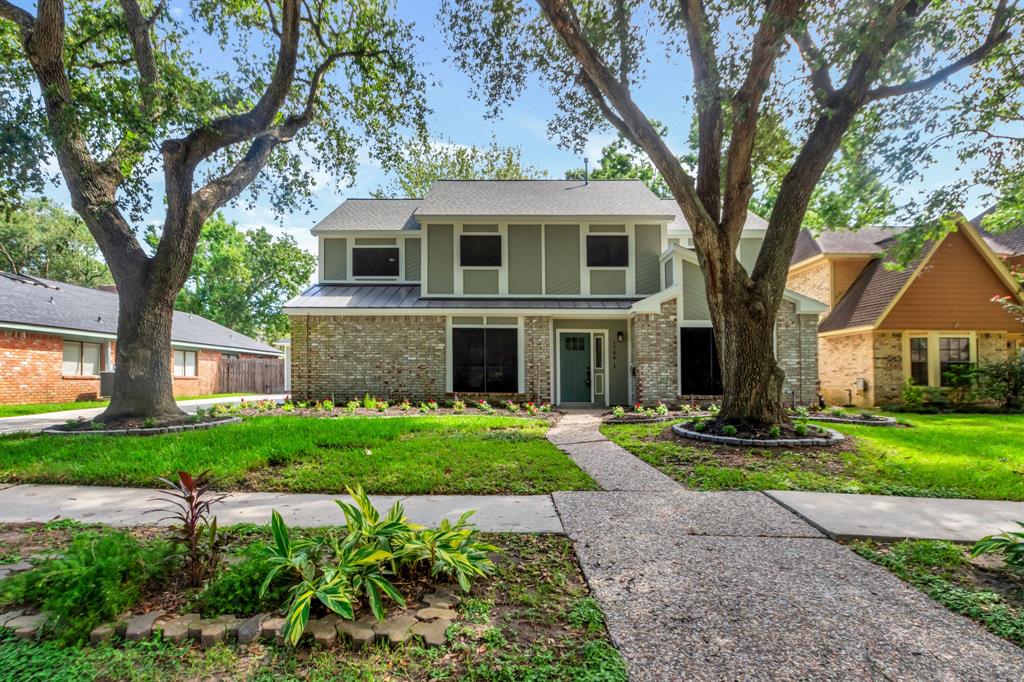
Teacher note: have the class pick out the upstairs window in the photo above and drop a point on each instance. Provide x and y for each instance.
(375, 261)
(607, 251)
(480, 251)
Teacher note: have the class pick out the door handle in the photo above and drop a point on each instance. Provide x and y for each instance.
(588, 375)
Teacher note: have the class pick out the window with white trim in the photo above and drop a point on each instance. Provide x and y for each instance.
(607, 251)
(82, 358)
(480, 251)
(185, 363)
(375, 261)
(954, 351)
(919, 360)
(485, 360)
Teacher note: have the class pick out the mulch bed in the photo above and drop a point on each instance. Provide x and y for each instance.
(393, 411)
(754, 434)
(141, 427)
(859, 420)
(640, 418)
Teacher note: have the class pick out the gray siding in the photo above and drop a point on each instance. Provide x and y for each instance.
(607, 282)
(376, 241)
(441, 259)
(607, 228)
(412, 260)
(668, 273)
(617, 371)
(480, 228)
(695, 301)
(748, 250)
(524, 259)
(476, 282)
(562, 259)
(647, 247)
(335, 259)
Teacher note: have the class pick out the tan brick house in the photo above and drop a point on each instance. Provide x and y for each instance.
(886, 326)
(564, 291)
(56, 338)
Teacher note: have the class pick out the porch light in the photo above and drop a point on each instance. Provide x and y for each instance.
(620, 336)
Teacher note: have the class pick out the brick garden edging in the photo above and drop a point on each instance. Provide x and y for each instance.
(879, 421)
(833, 438)
(154, 431)
(429, 622)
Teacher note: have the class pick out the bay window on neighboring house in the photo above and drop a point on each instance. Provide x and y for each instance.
(928, 356)
(185, 364)
(82, 358)
(485, 360)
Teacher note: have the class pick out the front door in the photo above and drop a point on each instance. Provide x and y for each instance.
(574, 368)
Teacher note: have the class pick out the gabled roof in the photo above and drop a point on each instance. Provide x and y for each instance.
(877, 288)
(542, 198)
(866, 241)
(1009, 243)
(371, 214)
(44, 303)
(679, 224)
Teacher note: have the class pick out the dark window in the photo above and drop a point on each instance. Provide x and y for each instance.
(699, 370)
(485, 360)
(953, 352)
(607, 251)
(375, 262)
(919, 361)
(480, 250)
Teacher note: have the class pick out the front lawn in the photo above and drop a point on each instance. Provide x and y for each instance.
(42, 408)
(412, 455)
(955, 455)
(983, 589)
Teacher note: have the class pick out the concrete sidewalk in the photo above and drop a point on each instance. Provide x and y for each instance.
(129, 507)
(38, 422)
(844, 516)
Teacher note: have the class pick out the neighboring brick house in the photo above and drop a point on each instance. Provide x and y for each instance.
(56, 338)
(885, 326)
(576, 293)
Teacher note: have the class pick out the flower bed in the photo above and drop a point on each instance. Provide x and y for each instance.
(783, 435)
(661, 412)
(140, 427)
(373, 407)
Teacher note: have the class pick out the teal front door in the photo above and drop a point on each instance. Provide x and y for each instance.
(574, 368)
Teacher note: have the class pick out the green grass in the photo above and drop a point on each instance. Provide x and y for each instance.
(534, 620)
(41, 408)
(992, 595)
(957, 455)
(411, 455)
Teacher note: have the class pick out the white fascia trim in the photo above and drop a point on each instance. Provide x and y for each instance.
(652, 304)
(595, 313)
(364, 233)
(804, 304)
(550, 219)
(84, 334)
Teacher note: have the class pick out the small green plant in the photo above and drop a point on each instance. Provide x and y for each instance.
(236, 589)
(912, 395)
(714, 409)
(190, 501)
(432, 405)
(148, 423)
(459, 406)
(369, 402)
(545, 407)
(661, 409)
(288, 407)
(511, 406)
(800, 430)
(530, 408)
(638, 408)
(485, 407)
(405, 406)
(728, 430)
(867, 415)
(99, 426)
(326, 405)
(1009, 545)
(775, 431)
(686, 408)
(697, 426)
(351, 406)
(837, 411)
(585, 614)
(802, 411)
(618, 412)
(650, 413)
(382, 406)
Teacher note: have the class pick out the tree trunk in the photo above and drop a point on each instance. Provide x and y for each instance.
(144, 371)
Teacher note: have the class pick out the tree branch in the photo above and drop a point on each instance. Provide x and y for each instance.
(997, 34)
(821, 81)
(595, 93)
(142, 47)
(16, 14)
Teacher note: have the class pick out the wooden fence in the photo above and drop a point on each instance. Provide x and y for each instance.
(251, 375)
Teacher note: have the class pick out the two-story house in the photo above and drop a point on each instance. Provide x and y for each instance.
(571, 292)
(886, 326)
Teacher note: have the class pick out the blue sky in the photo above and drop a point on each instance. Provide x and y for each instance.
(460, 118)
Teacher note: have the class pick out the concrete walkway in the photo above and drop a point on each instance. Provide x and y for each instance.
(715, 586)
(129, 507)
(38, 422)
(844, 516)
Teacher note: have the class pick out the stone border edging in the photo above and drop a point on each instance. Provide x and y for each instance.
(834, 437)
(154, 431)
(881, 421)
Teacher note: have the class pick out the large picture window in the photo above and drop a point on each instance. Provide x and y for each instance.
(607, 251)
(81, 359)
(480, 250)
(953, 352)
(485, 360)
(185, 363)
(919, 360)
(700, 373)
(377, 261)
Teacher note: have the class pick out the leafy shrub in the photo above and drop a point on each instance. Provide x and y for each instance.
(836, 411)
(801, 411)
(148, 423)
(236, 589)
(369, 402)
(960, 382)
(1009, 545)
(405, 406)
(485, 407)
(288, 407)
(424, 408)
(336, 572)
(432, 404)
(728, 430)
(638, 408)
(511, 406)
(864, 414)
(774, 432)
(686, 408)
(1002, 381)
(196, 531)
(800, 429)
(382, 406)
(714, 409)
(351, 406)
(459, 406)
(326, 406)
(661, 409)
(697, 426)
(101, 575)
(545, 407)
(912, 395)
(618, 412)
(530, 408)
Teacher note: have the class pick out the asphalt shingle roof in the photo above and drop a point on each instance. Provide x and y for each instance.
(47, 303)
(679, 224)
(371, 214)
(1010, 242)
(867, 240)
(400, 296)
(542, 198)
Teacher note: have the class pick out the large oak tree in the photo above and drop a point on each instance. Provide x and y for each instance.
(136, 104)
(910, 81)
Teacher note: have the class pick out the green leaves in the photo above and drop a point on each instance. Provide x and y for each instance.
(1010, 545)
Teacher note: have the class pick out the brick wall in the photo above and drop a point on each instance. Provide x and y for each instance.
(654, 347)
(392, 357)
(887, 366)
(992, 346)
(31, 372)
(841, 361)
(537, 351)
(814, 281)
(796, 350)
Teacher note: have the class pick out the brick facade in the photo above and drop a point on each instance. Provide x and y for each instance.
(814, 281)
(842, 360)
(796, 350)
(537, 351)
(654, 347)
(31, 372)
